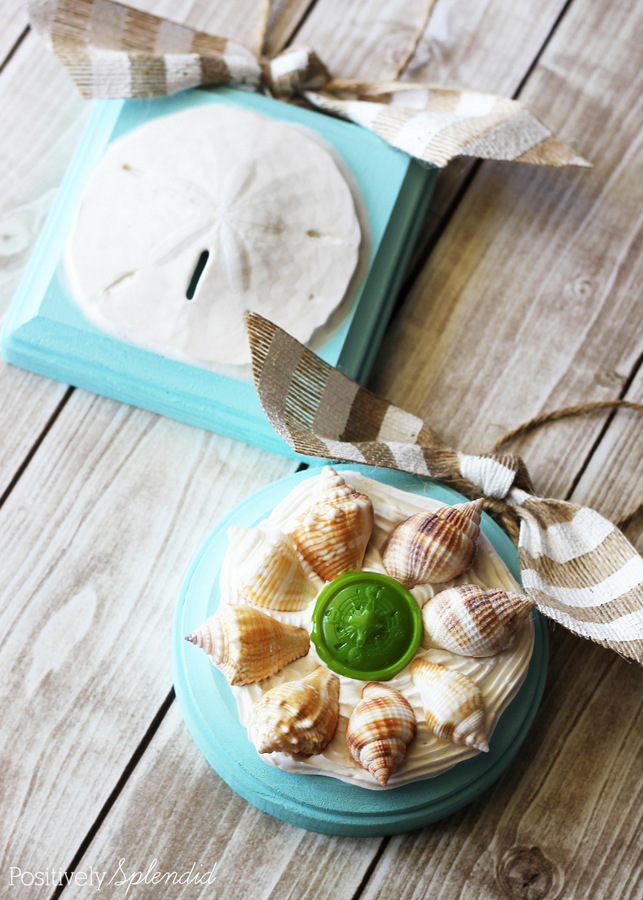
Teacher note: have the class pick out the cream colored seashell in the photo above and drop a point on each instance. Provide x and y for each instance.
(380, 729)
(333, 533)
(249, 645)
(453, 704)
(266, 569)
(298, 717)
(434, 547)
(472, 621)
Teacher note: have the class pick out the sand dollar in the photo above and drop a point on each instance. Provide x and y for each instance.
(195, 217)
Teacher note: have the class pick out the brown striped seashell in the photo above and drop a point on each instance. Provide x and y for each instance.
(298, 717)
(380, 729)
(248, 645)
(266, 568)
(472, 621)
(333, 533)
(434, 547)
(453, 704)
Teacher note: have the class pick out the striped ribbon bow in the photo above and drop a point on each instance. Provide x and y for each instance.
(577, 566)
(112, 50)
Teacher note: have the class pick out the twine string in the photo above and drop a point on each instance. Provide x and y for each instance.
(565, 413)
(363, 87)
(410, 53)
(262, 29)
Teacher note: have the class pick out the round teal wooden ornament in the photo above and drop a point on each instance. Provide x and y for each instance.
(316, 802)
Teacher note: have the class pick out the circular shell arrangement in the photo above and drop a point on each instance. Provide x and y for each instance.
(461, 654)
(195, 217)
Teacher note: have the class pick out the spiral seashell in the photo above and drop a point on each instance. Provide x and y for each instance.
(266, 568)
(453, 704)
(298, 717)
(248, 645)
(380, 729)
(434, 547)
(333, 533)
(470, 620)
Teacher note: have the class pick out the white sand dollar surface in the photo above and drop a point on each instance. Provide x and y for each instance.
(195, 217)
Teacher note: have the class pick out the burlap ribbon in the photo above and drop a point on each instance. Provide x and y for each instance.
(576, 565)
(112, 50)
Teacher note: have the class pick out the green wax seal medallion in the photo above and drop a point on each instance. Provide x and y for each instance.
(366, 626)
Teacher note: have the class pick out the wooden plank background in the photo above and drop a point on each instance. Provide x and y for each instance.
(525, 296)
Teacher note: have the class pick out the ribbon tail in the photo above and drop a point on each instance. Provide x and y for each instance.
(581, 571)
(451, 122)
(319, 411)
(111, 50)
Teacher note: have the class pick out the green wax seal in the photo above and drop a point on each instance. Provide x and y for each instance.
(366, 626)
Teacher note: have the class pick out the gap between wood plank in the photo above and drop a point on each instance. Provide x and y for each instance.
(34, 448)
(15, 47)
(116, 790)
(379, 853)
(608, 421)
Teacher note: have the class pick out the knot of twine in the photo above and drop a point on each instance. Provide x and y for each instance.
(508, 514)
(298, 69)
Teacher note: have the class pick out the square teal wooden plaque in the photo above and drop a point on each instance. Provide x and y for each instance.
(46, 333)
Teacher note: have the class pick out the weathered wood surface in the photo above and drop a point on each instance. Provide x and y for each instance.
(530, 300)
(13, 16)
(98, 529)
(255, 855)
(96, 539)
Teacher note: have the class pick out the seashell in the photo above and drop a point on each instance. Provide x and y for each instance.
(470, 620)
(434, 547)
(380, 729)
(333, 533)
(266, 569)
(298, 717)
(453, 704)
(248, 645)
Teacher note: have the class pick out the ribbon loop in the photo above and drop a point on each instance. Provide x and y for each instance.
(295, 70)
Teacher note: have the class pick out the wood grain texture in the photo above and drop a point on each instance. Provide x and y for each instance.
(43, 119)
(612, 481)
(530, 301)
(95, 540)
(13, 16)
(176, 810)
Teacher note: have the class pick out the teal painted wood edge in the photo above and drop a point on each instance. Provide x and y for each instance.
(316, 802)
(45, 333)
